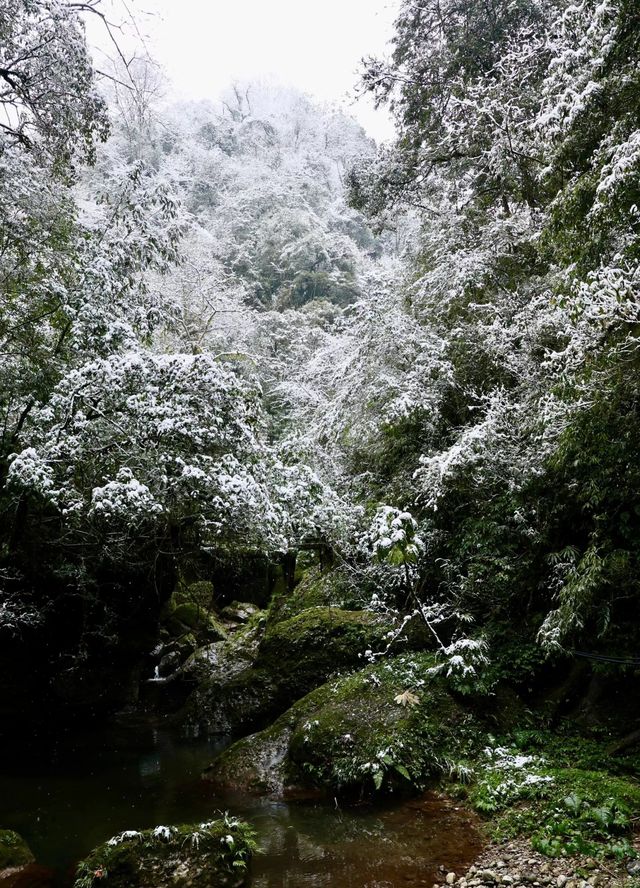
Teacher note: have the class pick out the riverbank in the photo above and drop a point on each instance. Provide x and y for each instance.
(514, 864)
(361, 747)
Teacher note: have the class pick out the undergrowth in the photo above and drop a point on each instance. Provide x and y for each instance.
(560, 788)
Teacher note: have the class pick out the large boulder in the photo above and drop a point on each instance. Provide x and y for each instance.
(14, 851)
(15, 859)
(205, 855)
(389, 727)
(226, 692)
(306, 649)
(244, 682)
(317, 588)
(180, 618)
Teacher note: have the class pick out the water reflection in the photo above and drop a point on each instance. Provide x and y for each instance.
(91, 786)
(313, 847)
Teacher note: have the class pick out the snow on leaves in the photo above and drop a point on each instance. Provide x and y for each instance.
(149, 439)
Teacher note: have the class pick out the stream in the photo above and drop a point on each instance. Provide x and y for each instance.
(88, 786)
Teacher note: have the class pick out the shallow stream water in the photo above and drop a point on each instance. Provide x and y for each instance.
(90, 785)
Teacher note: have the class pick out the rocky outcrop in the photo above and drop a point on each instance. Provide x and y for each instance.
(205, 855)
(240, 684)
(387, 728)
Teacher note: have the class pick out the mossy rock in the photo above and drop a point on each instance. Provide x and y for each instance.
(200, 593)
(14, 851)
(240, 612)
(306, 649)
(334, 588)
(250, 679)
(390, 727)
(229, 693)
(187, 617)
(317, 588)
(203, 855)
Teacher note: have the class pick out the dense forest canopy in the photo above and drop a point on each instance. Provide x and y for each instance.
(238, 326)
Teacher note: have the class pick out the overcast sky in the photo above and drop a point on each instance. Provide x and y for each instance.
(203, 45)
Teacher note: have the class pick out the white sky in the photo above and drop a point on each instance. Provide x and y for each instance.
(316, 45)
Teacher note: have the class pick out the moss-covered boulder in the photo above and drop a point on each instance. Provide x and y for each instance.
(305, 650)
(205, 855)
(187, 617)
(14, 851)
(200, 593)
(251, 678)
(228, 693)
(317, 588)
(239, 612)
(391, 726)
(335, 588)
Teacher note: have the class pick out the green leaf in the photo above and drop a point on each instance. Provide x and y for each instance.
(573, 802)
(403, 771)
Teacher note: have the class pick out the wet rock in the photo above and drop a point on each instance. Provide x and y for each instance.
(239, 612)
(245, 682)
(169, 663)
(225, 692)
(257, 764)
(14, 851)
(331, 740)
(193, 856)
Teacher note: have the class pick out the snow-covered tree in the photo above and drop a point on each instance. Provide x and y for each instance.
(517, 145)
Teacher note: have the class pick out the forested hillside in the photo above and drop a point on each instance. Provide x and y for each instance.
(518, 146)
(335, 440)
